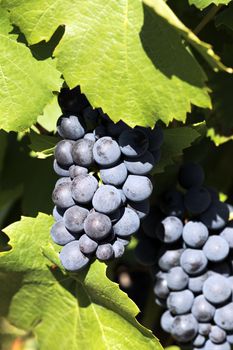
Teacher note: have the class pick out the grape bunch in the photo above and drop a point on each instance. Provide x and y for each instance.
(104, 186)
(190, 241)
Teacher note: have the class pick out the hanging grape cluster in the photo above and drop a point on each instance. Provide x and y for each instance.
(193, 270)
(104, 187)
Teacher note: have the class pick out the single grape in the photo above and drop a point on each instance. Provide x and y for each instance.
(87, 245)
(90, 136)
(177, 279)
(216, 216)
(125, 241)
(115, 215)
(217, 335)
(216, 289)
(140, 165)
(76, 170)
(195, 234)
(72, 258)
(60, 170)
(216, 248)
(60, 234)
(62, 196)
(83, 188)
(193, 261)
(161, 289)
(172, 204)
(58, 213)
(204, 328)
(62, 152)
(166, 321)
(115, 176)
(180, 302)
(170, 229)
(196, 283)
(199, 341)
(224, 317)
(104, 252)
(202, 309)
(137, 188)
(133, 143)
(197, 200)
(97, 226)
(128, 224)
(100, 131)
(63, 180)
(169, 258)
(70, 127)
(74, 218)
(141, 208)
(209, 345)
(184, 328)
(191, 175)
(106, 151)
(118, 249)
(82, 152)
(106, 199)
(227, 234)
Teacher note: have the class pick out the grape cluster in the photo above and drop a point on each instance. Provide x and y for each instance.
(104, 187)
(194, 267)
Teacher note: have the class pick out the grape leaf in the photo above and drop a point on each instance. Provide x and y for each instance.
(130, 58)
(216, 138)
(201, 4)
(225, 17)
(84, 310)
(42, 145)
(51, 113)
(27, 84)
(175, 141)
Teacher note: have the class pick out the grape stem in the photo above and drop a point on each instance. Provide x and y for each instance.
(207, 18)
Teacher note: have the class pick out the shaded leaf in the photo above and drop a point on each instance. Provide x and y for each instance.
(175, 141)
(225, 18)
(42, 145)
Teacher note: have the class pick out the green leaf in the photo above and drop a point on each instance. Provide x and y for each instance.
(130, 58)
(51, 113)
(216, 138)
(225, 18)
(42, 145)
(175, 141)
(201, 4)
(85, 310)
(27, 84)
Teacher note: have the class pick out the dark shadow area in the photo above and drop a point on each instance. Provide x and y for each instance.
(168, 54)
(43, 49)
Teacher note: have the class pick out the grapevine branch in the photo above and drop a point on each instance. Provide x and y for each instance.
(207, 18)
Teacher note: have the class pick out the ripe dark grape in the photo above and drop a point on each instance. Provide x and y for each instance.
(72, 258)
(82, 152)
(70, 127)
(115, 176)
(74, 218)
(137, 188)
(87, 245)
(60, 234)
(104, 252)
(133, 143)
(106, 151)
(83, 188)
(197, 200)
(59, 170)
(106, 199)
(141, 165)
(63, 151)
(97, 226)
(191, 175)
(62, 196)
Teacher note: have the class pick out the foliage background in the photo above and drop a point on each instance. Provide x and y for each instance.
(140, 61)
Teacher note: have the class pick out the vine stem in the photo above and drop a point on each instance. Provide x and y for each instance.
(208, 17)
